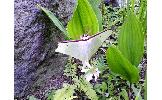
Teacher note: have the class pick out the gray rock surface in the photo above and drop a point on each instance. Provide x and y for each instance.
(37, 68)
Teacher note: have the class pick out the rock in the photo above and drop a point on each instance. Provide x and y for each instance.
(35, 39)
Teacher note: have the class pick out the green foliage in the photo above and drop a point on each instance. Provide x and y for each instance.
(54, 19)
(143, 9)
(131, 39)
(143, 14)
(132, 5)
(99, 62)
(32, 98)
(83, 21)
(87, 88)
(101, 88)
(80, 83)
(120, 65)
(138, 96)
(65, 93)
(95, 6)
(51, 94)
(124, 94)
(70, 69)
(113, 17)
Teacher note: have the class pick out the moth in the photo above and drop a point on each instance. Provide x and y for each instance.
(84, 48)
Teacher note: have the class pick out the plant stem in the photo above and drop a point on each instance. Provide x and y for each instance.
(129, 93)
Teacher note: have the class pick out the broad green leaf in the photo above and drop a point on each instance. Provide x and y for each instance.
(131, 39)
(54, 19)
(84, 21)
(120, 65)
(144, 23)
(95, 6)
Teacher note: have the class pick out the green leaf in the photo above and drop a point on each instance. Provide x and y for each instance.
(65, 93)
(84, 21)
(103, 86)
(120, 65)
(142, 9)
(143, 15)
(95, 6)
(124, 94)
(70, 69)
(131, 39)
(54, 19)
(137, 92)
(132, 5)
(51, 94)
(32, 98)
(87, 88)
(138, 96)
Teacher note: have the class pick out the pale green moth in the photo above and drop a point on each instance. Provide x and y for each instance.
(83, 49)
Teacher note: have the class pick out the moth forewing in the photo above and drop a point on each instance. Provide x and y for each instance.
(97, 41)
(77, 50)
